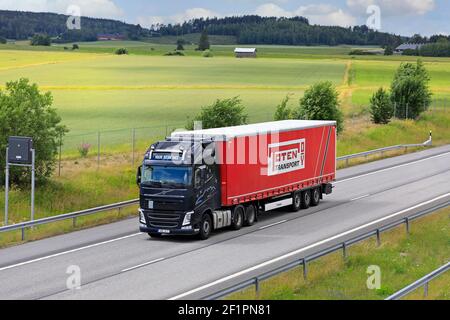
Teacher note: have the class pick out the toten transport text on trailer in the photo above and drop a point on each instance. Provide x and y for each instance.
(199, 181)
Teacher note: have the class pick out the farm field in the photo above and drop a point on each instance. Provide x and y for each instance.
(99, 91)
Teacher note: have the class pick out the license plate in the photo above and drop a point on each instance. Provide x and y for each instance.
(150, 204)
(163, 231)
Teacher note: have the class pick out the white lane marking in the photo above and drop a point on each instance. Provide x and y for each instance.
(391, 168)
(293, 253)
(69, 251)
(143, 265)
(273, 224)
(359, 198)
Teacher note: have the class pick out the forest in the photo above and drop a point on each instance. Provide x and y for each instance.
(254, 29)
(19, 25)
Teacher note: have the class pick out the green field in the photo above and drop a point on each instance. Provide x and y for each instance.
(95, 90)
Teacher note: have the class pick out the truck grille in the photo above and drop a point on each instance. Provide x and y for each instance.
(163, 220)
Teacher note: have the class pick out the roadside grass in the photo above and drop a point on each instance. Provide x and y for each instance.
(364, 136)
(402, 258)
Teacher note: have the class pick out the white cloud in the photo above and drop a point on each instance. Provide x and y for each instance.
(322, 14)
(193, 13)
(326, 15)
(90, 8)
(272, 10)
(394, 7)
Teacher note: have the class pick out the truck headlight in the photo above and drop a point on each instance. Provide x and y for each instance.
(142, 217)
(187, 218)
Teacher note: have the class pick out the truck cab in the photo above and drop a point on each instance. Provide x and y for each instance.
(178, 190)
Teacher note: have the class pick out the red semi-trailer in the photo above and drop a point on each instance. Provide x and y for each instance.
(197, 181)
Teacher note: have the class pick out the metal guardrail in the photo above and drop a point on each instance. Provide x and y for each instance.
(255, 281)
(381, 151)
(422, 282)
(73, 215)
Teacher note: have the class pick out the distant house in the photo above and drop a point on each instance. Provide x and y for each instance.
(110, 37)
(245, 52)
(408, 46)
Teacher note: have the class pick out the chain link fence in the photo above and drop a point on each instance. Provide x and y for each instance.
(97, 149)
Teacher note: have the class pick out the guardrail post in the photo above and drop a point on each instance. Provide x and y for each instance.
(425, 290)
(344, 250)
(378, 238)
(407, 225)
(74, 222)
(305, 270)
(257, 288)
(346, 162)
(23, 234)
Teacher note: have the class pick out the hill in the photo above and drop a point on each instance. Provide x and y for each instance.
(23, 25)
(282, 31)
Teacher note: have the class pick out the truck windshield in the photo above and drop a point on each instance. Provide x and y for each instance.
(166, 176)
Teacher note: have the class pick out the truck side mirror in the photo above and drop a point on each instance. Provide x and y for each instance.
(139, 175)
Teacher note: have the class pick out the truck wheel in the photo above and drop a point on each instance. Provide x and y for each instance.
(238, 218)
(205, 227)
(296, 201)
(306, 199)
(155, 235)
(315, 197)
(250, 215)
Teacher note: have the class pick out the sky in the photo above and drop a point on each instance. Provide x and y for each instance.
(405, 17)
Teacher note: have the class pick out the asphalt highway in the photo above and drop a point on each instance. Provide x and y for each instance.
(118, 262)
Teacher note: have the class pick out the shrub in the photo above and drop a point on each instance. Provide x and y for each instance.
(283, 112)
(121, 51)
(24, 111)
(207, 54)
(222, 113)
(388, 51)
(75, 46)
(410, 52)
(203, 44)
(41, 40)
(321, 102)
(410, 92)
(83, 149)
(381, 108)
(180, 43)
(175, 53)
(358, 52)
(3, 40)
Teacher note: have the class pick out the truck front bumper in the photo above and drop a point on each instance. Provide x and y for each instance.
(187, 232)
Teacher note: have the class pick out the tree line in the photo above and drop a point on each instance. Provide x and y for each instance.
(24, 25)
(254, 29)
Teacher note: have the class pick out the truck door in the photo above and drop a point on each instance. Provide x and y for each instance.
(206, 188)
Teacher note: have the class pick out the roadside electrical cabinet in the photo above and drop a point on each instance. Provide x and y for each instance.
(19, 150)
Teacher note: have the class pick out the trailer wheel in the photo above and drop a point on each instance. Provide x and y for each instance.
(205, 227)
(296, 201)
(250, 215)
(306, 199)
(155, 235)
(238, 217)
(315, 197)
